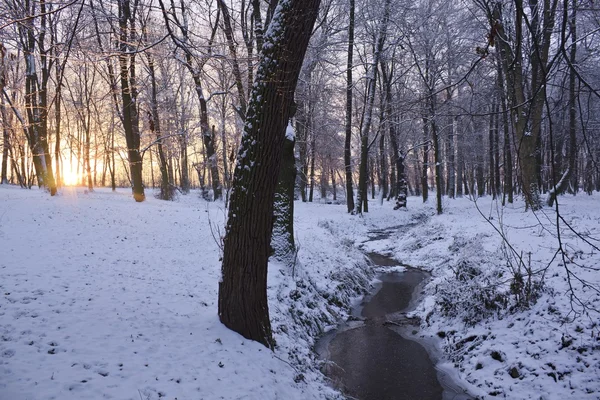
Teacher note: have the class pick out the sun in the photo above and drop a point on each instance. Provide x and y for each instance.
(69, 176)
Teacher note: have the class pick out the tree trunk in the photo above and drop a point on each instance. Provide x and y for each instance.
(5, 129)
(312, 165)
(301, 133)
(333, 185)
(348, 138)
(57, 121)
(5, 142)
(371, 86)
(127, 36)
(243, 305)
(436, 156)
(451, 188)
(508, 163)
(166, 184)
(282, 241)
(234, 59)
(425, 166)
(496, 165)
(383, 182)
(479, 173)
(563, 184)
(491, 136)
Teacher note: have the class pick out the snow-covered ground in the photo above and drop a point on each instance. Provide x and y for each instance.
(101, 297)
(548, 351)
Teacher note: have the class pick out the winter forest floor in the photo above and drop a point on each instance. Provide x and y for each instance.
(103, 298)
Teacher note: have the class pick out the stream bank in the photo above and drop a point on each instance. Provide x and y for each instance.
(375, 354)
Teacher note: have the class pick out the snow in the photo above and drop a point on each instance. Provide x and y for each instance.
(102, 297)
(553, 351)
(289, 132)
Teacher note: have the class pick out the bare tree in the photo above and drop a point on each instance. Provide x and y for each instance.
(243, 302)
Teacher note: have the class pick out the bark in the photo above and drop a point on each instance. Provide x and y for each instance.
(383, 182)
(234, 59)
(348, 137)
(372, 170)
(333, 185)
(88, 140)
(366, 127)
(5, 126)
(436, 155)
(5, 140)
(496, 165)
(425, 166)
(166, 184)
(127, 35)
(282, 241)
(491, 135)
(479, 167)
(226, 176)
(508, 163)
(302, 136)
(312, 166)
(242, 302)
(57, 127)
(451, 188)
(563, 184)
(459, 160)
(324, 179)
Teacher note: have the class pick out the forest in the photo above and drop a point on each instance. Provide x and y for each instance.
(485, 98)
(463, 133)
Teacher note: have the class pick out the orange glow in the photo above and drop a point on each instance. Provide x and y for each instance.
(69, 176)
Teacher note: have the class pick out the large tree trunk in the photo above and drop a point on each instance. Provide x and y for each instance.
(243, 305)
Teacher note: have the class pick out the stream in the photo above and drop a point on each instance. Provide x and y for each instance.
(375, 354)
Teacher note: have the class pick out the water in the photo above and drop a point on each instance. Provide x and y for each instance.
(372, 356)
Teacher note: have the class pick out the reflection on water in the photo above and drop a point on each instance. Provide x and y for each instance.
(371, 359)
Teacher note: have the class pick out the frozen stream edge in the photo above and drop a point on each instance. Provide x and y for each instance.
(378, 320)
